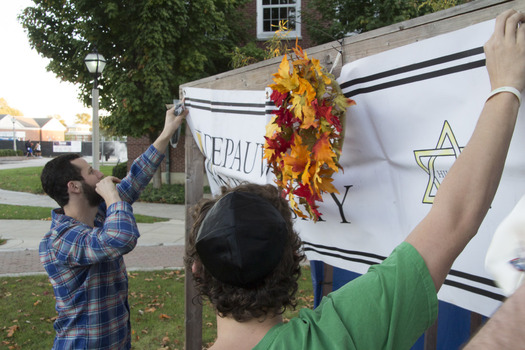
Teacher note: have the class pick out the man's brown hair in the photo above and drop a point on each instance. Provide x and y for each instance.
(271, 295)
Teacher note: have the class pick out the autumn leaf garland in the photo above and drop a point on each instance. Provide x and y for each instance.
(305, 137)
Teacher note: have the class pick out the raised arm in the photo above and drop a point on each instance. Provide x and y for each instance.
(467, 191)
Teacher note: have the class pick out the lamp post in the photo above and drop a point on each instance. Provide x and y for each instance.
(95, 64)
(14, 133)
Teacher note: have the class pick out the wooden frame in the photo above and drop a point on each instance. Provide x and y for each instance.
(259, 75)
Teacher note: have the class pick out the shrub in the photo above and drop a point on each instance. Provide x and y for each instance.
(120, 170)
(169, 194)
(10, 153)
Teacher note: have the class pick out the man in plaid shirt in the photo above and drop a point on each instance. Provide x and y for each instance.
(90, 232)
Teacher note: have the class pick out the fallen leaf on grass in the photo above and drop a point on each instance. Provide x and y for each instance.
(164, 316)
(11, 330)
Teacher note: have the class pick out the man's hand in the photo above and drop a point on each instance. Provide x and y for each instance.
(106, 189)
(505, 51)
(171, 124)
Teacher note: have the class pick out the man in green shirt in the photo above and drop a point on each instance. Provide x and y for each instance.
(245, 254)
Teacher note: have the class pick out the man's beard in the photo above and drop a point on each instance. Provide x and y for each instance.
(94, 199)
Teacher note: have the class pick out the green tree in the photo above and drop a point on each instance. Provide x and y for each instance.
(5, 109)
(151, 47)
(329, 20)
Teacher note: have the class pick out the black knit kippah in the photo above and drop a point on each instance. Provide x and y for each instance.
(241, 239)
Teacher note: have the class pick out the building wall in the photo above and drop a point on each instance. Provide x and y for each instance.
(52, 135)
(137, 146)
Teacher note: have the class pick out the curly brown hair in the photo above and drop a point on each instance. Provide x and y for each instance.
(270, 296)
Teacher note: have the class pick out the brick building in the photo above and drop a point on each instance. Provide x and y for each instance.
(174, 160)
(36, 129)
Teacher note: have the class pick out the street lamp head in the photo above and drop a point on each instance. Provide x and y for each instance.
(95, 63)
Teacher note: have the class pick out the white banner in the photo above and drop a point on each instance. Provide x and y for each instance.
(416, 109)
(67, 146)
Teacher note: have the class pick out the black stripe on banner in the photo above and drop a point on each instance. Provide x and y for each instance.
(415, 78)
(229, 111)
(475, 290)
(188, 102)
(352, 252)
(415, 66)
(456, 273)
(473, 278)
(362, 261)
(229, 104)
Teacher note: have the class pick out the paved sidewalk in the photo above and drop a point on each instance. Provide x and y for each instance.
(160, 246)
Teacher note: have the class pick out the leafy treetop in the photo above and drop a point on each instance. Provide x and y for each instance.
(151, 47)
(329, 20)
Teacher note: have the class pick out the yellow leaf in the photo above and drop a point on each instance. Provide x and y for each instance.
(309, 118)
(325, 185)
(285, 81)
(272, 127)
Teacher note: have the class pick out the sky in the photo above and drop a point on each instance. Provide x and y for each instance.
(25, 83)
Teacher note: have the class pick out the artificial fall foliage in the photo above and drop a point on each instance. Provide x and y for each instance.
(305, 136)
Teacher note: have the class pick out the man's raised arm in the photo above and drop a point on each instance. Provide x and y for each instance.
(467, 191)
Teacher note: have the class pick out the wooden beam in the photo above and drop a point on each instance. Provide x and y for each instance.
(193, 193)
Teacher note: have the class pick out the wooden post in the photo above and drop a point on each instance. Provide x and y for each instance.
(328, 279)
(193, 192)
(476, 321)
(430, 342)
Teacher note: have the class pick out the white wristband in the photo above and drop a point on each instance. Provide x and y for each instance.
(510, 89)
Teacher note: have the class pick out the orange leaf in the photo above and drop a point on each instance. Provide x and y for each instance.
(164, 316)
(322, 152)
(11, 330)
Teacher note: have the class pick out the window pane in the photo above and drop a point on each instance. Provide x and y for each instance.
(275, 14)
(275, 2)
(266, 2)
(267, 26)
(283, 13)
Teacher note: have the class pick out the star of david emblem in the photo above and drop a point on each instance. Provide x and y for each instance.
(426, 159)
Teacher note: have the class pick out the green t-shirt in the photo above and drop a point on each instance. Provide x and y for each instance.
(389, 307)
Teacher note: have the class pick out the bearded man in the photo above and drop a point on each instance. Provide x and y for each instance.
(90, 232)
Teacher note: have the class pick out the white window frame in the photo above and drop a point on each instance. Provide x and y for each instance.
(262, 35)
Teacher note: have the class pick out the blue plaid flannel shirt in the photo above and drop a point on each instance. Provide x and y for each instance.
(87, 270)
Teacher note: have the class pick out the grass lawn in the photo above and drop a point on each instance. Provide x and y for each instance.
(24, 212)
(156, 300)
(28, 180)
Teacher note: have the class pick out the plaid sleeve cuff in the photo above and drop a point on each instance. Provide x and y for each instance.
(119, 206)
